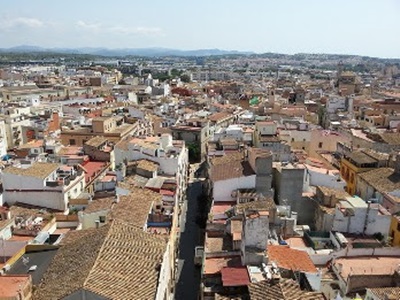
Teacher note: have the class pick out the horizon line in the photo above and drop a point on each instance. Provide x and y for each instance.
(240, 52)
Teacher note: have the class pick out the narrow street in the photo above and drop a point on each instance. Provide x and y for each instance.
(187, 287)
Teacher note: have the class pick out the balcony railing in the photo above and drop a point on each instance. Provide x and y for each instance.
(61, 181)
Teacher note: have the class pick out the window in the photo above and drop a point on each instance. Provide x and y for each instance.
(102, 219)
(320, 145)
(292, 139)
(72, 142)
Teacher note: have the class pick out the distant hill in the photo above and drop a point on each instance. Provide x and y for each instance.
(149, 52)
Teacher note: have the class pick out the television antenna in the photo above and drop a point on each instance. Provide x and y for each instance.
(25, 261)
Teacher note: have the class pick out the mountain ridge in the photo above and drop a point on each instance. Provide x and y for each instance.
(149, 52)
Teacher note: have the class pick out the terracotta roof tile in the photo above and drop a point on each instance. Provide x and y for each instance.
(134, 207)
(266, 204)
(231, 297)
(386, 292)
(147, 165)
(382, 179)
(230, 166)
(127, 264)
(10, 285)
(38, 169)
(72, 263)
(291, 259)
(361, 158)
(214, 266)
(376, 265)
(99, 204)
(286, 289)
(219, 116)
(235, 276)
(115, 261)
(96, 141)
(218, 244)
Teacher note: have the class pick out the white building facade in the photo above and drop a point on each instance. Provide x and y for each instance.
(42, 184)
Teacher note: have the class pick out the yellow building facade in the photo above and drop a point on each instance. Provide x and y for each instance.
(394, 232)
(353, 164)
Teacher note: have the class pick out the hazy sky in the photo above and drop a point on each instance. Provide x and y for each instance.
(366, 27)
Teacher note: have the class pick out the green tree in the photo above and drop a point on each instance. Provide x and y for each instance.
(194, 152)
(185, 78)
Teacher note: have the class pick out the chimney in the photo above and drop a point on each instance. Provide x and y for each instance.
(55, 121)
(397, 163)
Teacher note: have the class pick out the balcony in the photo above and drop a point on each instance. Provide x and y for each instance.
(61, 181)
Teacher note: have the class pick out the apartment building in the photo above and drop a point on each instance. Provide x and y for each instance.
(265, 137)
(46, 185)
(112, 128)
(195, 133)
(171, 156)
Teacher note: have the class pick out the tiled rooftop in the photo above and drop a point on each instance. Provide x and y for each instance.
(367, 265)
(134, 208)
(286, 289)
(218, 244)
(235, 276)
(291, 259)
(376, 155)
(148, 142)
(11, 285)
(391, 138)
(382, 179)
(214, 266)
(92, 168)
(266, 204)
(96, 141)
(38, 169)
(339, 194)
(72, 263)
(147, 165)
(230, 166)
(361, 158)
(127, 264)
(219, 116)
(99, 205)
(32, 144)
(386, 292)
(115, 261)
(70, 150)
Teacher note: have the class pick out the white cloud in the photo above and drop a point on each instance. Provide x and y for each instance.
(10, 23)
(88, 26)
(123, 30)
(148, 31)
